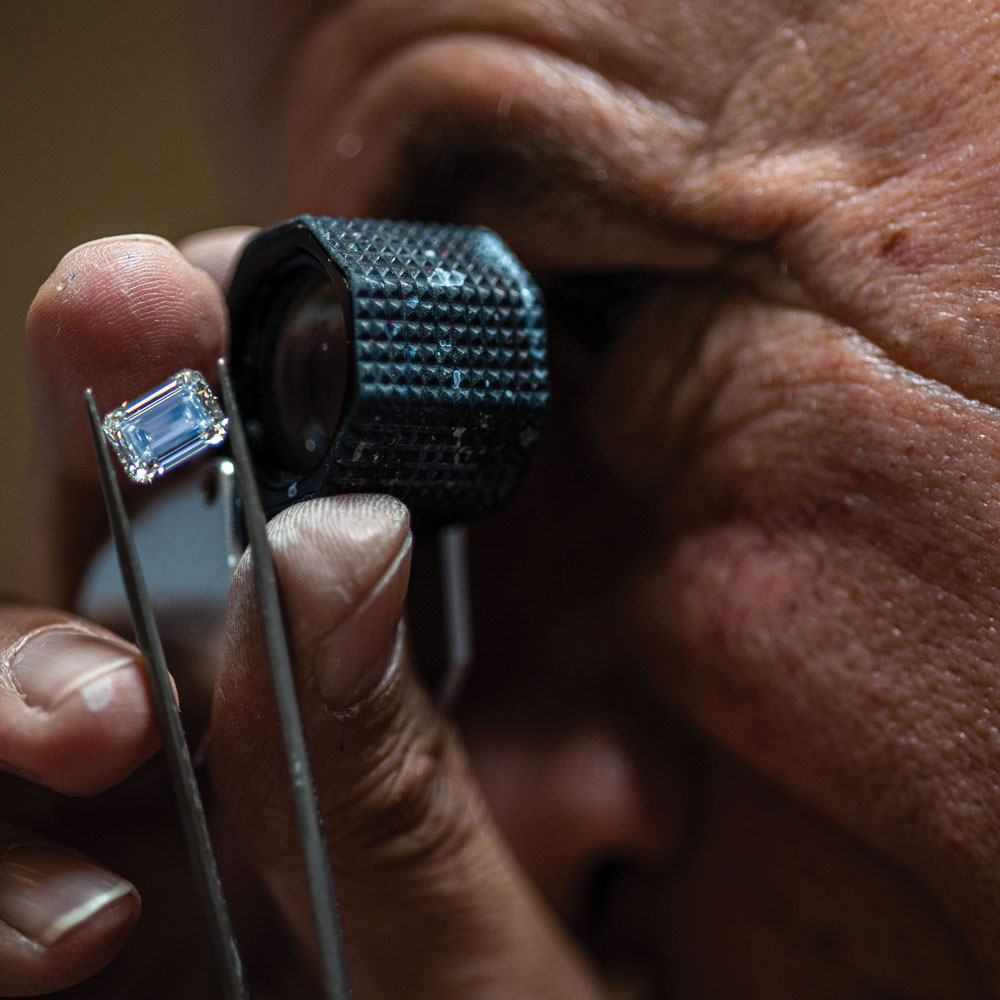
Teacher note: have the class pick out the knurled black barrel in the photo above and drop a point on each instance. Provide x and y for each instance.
(447, 375)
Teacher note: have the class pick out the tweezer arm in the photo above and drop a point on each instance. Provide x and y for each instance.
(336, 985)
(192, 813)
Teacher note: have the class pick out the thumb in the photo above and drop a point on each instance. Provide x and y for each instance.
(431, 901)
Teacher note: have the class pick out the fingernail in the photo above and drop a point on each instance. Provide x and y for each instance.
(351, 659)
(53, 665)
(45, 893)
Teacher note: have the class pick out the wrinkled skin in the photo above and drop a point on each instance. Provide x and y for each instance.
(738, 632)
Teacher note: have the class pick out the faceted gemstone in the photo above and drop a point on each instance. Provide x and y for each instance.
(174, 422)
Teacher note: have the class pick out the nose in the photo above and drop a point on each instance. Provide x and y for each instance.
(569, 800)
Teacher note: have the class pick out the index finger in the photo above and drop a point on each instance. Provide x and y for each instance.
(118, 315)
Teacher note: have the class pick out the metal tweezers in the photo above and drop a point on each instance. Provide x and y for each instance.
(335, 983)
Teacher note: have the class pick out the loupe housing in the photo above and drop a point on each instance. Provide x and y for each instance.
(388, 357)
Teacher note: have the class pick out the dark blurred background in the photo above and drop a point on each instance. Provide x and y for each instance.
(99, 134)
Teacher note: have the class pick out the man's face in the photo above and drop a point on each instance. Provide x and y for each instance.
(735, 703)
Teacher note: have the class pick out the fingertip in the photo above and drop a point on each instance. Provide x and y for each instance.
(62, 917)
(216, 251)
(332, 552)
(345, 538)
(84, 276)
(110, 241)
(118, 314)
(329, 554)
(93, 741)
(75, 714)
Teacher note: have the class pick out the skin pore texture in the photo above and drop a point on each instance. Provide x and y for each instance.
(735, 715)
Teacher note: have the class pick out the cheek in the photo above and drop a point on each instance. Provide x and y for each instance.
(824, 603)
(801, 909)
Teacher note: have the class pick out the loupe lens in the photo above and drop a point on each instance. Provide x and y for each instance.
(309, 375)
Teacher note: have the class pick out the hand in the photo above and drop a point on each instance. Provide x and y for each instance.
(74, 712)
(429, 895)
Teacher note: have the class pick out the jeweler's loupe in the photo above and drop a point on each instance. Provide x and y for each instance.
(389, 357)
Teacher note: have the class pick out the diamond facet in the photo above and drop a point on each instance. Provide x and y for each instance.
(166, 427)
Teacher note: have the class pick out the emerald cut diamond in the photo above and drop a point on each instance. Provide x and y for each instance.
(166, 427)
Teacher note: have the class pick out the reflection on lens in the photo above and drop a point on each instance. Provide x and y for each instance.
(310, 370)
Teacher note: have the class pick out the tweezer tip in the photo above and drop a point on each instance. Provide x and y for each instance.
(96, 427)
